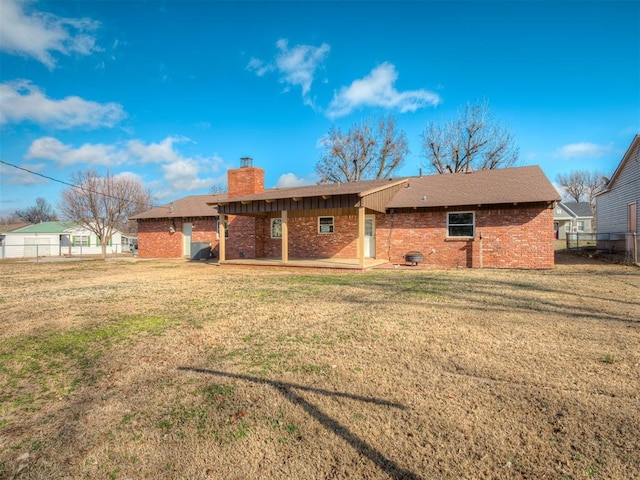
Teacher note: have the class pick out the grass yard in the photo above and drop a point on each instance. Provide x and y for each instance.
(134, 369)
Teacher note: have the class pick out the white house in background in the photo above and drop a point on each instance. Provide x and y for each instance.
(617, 205)
(53, 239)
(572, 217)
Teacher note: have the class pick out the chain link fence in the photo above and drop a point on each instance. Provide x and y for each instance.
(624, 246)
(54, 251)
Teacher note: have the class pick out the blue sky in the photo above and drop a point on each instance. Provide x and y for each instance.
(176, 92)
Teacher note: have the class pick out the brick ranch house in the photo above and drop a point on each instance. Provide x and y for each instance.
(495, 218)
(175, 229)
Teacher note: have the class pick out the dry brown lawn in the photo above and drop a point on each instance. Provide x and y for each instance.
(178, 370)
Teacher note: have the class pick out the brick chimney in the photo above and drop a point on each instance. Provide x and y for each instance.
(245, 180)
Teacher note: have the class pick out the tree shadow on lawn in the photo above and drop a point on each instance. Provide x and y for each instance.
(385, 464)
(494, 294)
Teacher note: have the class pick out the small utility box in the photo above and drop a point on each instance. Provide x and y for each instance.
(200, 250)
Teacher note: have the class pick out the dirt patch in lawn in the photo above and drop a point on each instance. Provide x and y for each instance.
(172, 369)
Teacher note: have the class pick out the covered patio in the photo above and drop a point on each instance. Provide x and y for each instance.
(328, 263)
(321, 226)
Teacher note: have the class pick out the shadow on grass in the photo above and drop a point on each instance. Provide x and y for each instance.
(385, 464)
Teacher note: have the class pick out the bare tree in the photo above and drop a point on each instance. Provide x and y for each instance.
(103, 204)
(580, 185)
(472, 141)
(218, 188)
(41, 212)
(10, 219)
(369, 150)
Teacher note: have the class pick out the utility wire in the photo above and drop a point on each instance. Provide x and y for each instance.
(72, 185)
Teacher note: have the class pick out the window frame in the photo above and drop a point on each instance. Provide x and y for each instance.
(272, 224)
(472, 225)
(81, 241)
(331, 226)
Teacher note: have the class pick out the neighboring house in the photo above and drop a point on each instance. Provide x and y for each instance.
(618, 215)
(54, 239)
(187, 227)
(494, 218)
(572, 217)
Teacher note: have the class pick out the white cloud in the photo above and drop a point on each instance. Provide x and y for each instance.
(129, 175)
(377, 90)
(296, 66)
(156, 152)
(581, 150)
(291, 180)
(39, 34)
(180, 173)
(49, 148)
(11, 175)
(258, 66)
(23, 101)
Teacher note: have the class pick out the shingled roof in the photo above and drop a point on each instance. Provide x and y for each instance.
(192, 206)
(485, 187)
(579, 209)
(330, 189)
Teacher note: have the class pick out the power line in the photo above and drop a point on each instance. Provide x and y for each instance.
(38, 174)
(72, 185)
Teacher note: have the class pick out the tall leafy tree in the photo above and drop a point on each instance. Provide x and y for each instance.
(42, 211)
(474, 140)
(103, 204)
(370, 149)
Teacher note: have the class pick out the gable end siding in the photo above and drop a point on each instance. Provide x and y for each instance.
(611, 207)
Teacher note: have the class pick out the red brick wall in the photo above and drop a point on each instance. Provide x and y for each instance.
(241, 242)
(512, 237)
(270, 247)
(306, 242)
(304, 239)
(156, 241)
(517, 237)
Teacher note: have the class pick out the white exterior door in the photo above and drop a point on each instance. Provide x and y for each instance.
(370, 236)
(186, 234)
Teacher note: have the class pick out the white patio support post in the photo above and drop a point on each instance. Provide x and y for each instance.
(221, 239)
(361, 216)
(285, 238)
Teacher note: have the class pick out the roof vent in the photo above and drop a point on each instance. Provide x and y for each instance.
(246, 162)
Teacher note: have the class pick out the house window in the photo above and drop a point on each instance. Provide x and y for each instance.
(580, 225)
(81, 241)
(325, 224)
(276, 228)
(460, 224)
